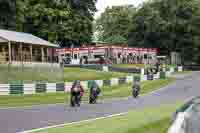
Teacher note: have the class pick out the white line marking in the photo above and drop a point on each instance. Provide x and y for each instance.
(74, 123)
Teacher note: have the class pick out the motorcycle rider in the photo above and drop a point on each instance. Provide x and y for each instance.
(136, 89)
(94, 92)
(77, 92)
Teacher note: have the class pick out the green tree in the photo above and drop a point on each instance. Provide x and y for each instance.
(7, 14)
(113, 25)
(54, 20)
(171, 25)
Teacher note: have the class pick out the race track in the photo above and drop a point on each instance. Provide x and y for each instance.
(20, 119)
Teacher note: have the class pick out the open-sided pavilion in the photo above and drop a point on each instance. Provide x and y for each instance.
(23, 47)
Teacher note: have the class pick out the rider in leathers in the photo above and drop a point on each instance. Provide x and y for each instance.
(77, 92)
(94, 93)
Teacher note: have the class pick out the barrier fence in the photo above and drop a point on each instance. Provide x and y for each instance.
(19, 88)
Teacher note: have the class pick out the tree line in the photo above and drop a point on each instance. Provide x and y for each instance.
(53, 20)
(170, 25)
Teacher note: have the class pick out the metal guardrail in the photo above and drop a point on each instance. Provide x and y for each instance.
(110, 68)
(124, 70)
(192, 67)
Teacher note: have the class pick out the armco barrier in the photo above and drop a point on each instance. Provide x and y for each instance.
(129, 79)
(18, 88)
(172, 69)
(137, 78)
(94, 67)
(156, 76)
(106, 83)
(111, 68)
(51, 87)
(4, 89)
(40, 87)
(162, 75)
(60, 87)
(180, 69)
(114, 81)
(124, 70)
(191, 67)
(143, 78)
(122, 80)
(150, 77)
(29, 89)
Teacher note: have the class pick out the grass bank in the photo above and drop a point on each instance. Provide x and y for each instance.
(72, 74)
(28, 75)
(107, 92)
(148, 120)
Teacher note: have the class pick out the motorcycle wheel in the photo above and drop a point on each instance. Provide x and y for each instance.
(135, 94)
(72, 101)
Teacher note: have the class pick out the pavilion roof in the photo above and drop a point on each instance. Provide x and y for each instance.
(26, 38)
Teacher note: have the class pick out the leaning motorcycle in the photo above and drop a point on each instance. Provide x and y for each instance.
(135, 93)
(75, 100)
(93, 97)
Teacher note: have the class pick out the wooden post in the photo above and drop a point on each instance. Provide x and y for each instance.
(13, 53)
(31, 53)
(47, 55)
(9, 52)
(21, 53)
(42, 51)
(51, 54)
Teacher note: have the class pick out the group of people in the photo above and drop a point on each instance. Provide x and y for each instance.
(77, 92)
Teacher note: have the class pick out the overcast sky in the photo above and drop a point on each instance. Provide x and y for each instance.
(102, 4)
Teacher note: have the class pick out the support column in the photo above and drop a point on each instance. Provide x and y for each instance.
(51, 56)
(42, 51)
(9, 52)
(31, 52)
(13, 53)
(21, 52)
(47, 55)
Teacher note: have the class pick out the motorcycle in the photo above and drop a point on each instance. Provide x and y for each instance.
(136, 91)
(94, 96)
(75, 100)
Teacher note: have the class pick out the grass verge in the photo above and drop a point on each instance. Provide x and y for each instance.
(48, 74)
(148, 120)
(72, 74)
(107, 92)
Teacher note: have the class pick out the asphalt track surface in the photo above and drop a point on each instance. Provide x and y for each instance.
(21, 119)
